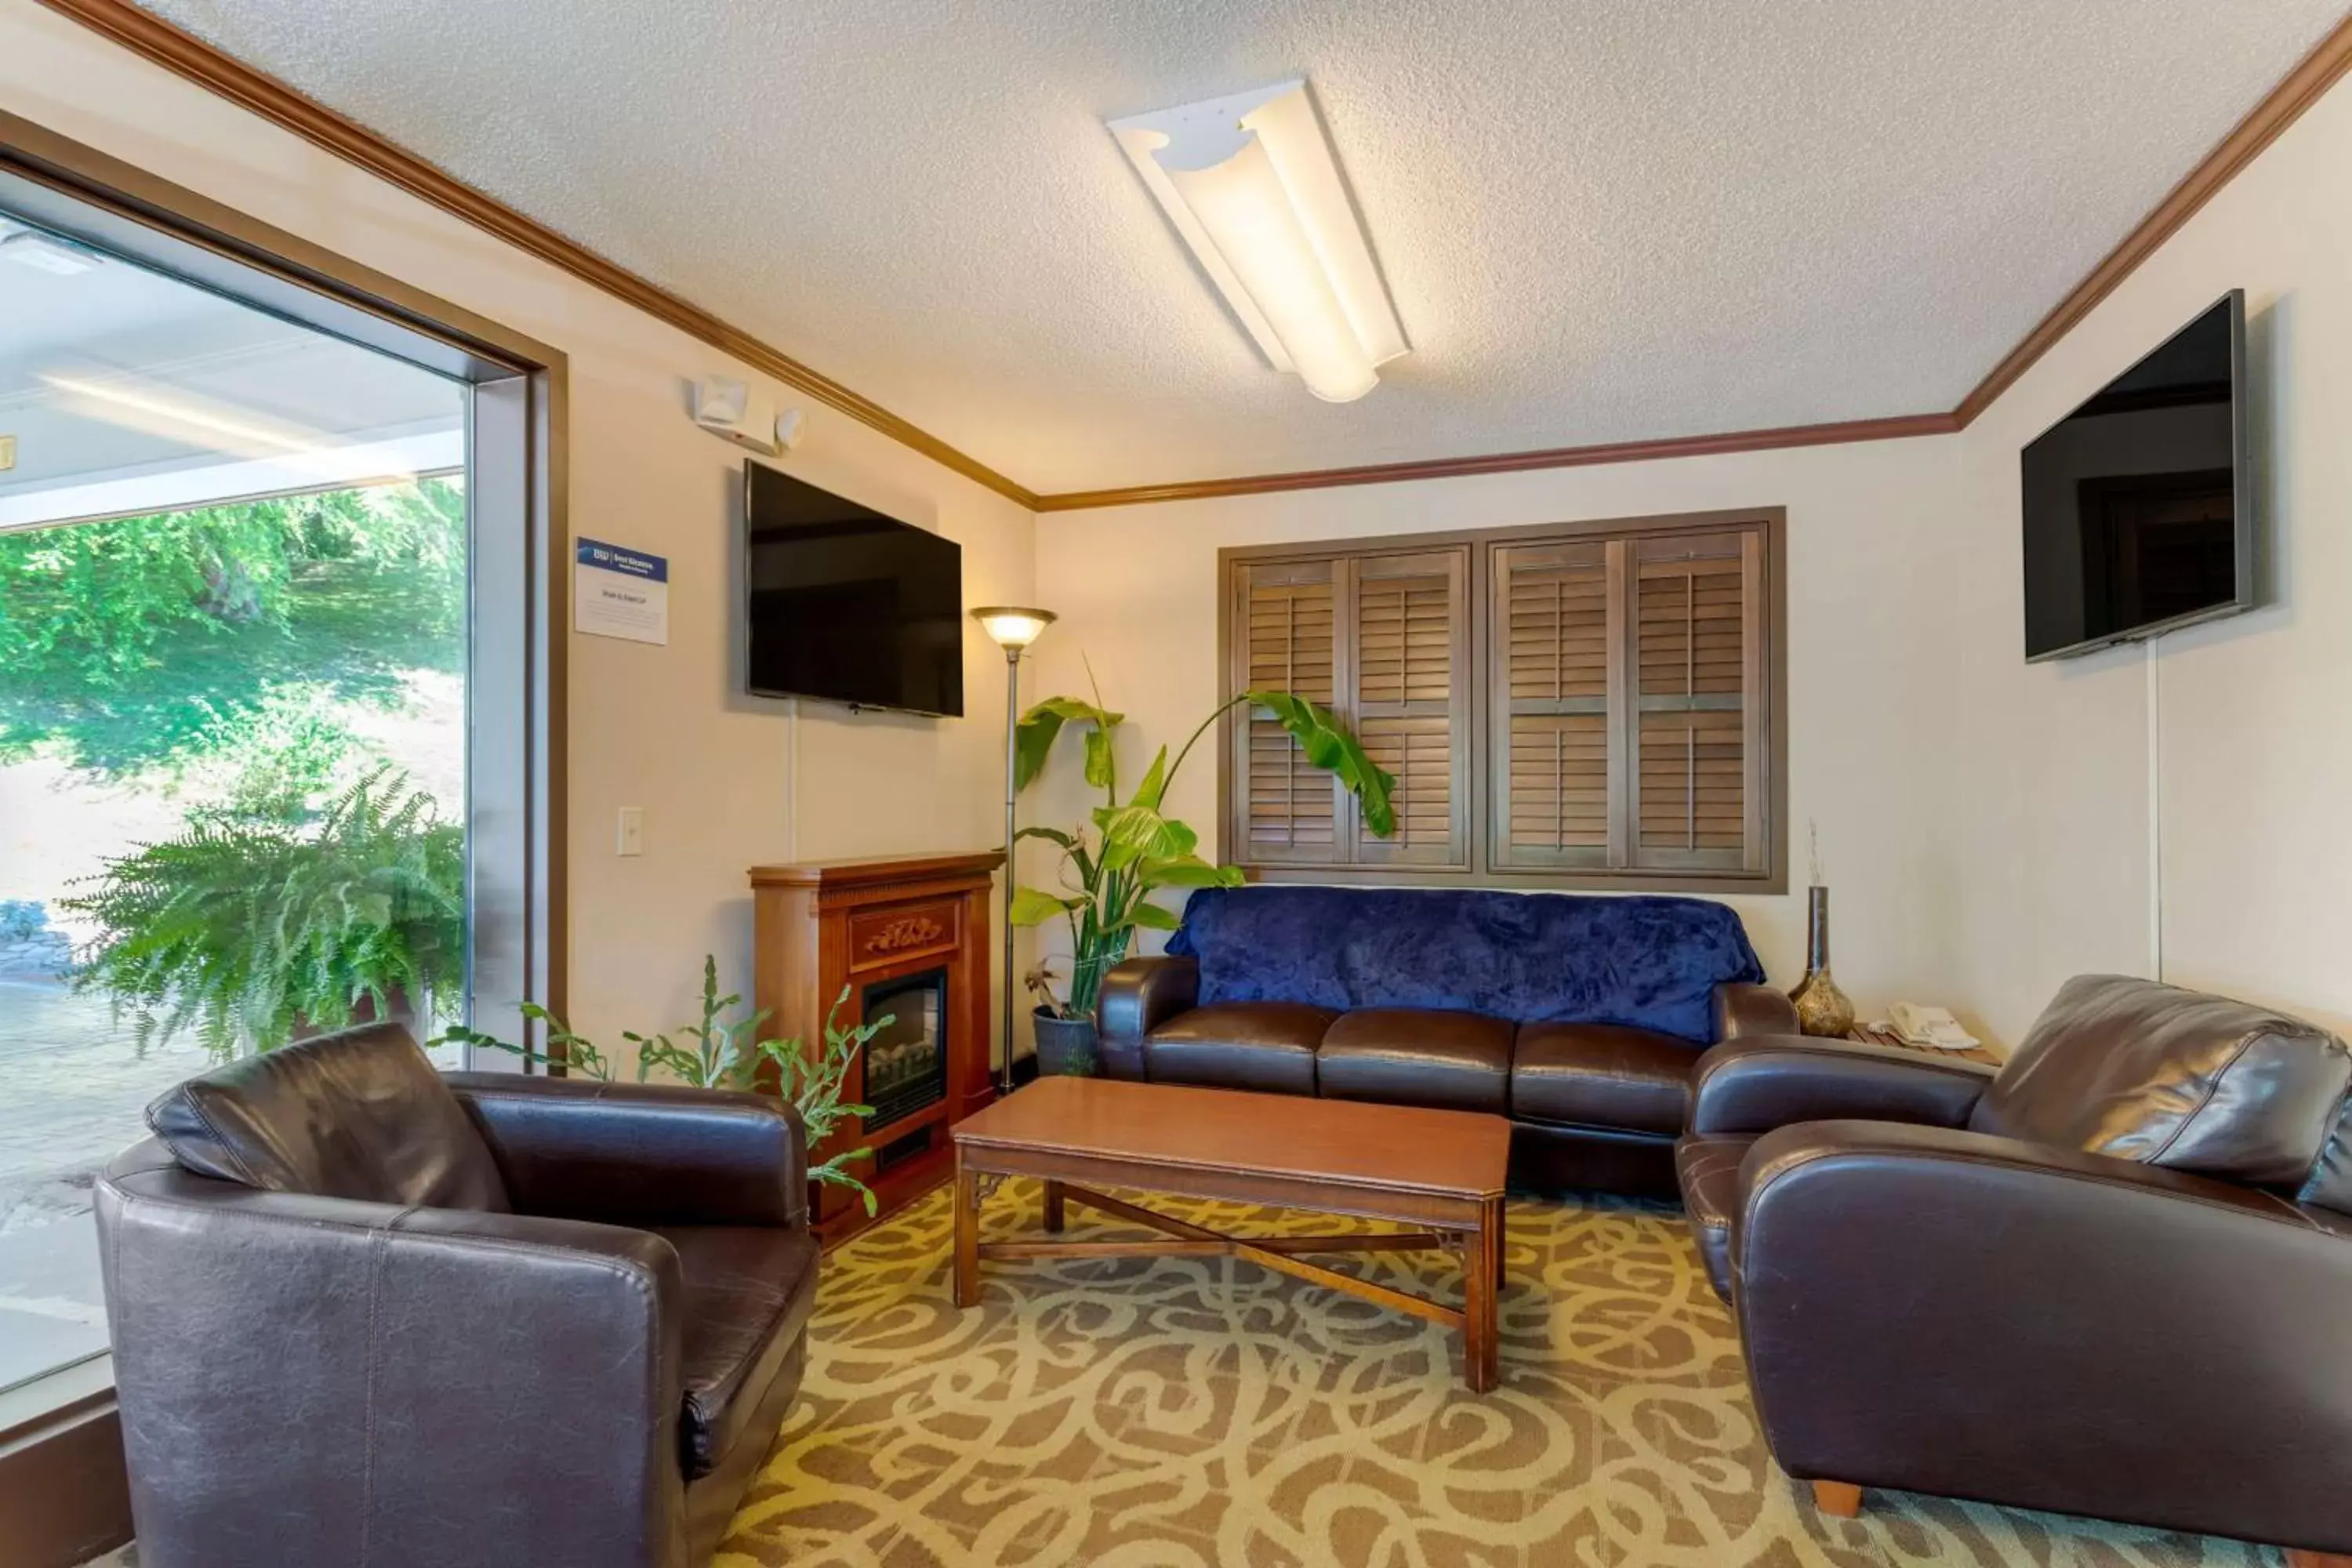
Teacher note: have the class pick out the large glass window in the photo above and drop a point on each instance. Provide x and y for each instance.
(234, 713)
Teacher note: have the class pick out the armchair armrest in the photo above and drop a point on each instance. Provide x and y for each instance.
(1741, 1008)
(1755, 1084)
(1950, 1313)
(641, 1154)
(435, 1386)
(1139, 994)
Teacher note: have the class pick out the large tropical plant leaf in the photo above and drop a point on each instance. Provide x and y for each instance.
(1033, 738)
(1189, 871)
(1034, 907)
(1153, 918)
(1329, 746)
(1155, 783)
(1134, 833)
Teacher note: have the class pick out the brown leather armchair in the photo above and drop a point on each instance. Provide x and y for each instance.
(364, 1313)
(2114, 1279)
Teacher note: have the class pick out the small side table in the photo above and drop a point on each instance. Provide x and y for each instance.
(1864, 1034)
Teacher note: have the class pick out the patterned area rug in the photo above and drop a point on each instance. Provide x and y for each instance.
(1204, 1412)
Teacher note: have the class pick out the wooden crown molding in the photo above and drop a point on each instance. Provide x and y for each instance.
(190, 57)
(1889, 429)
(186, 55)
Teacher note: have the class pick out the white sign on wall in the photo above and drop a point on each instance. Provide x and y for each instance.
(619, 592)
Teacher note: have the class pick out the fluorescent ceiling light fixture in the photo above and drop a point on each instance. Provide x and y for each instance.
(175, 414)
(1251, 183)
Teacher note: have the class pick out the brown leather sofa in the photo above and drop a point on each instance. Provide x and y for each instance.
(367, 1312)
(2113, 1279)
(1594, 1106)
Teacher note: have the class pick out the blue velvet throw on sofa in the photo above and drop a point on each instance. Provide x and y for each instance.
(1651, 962)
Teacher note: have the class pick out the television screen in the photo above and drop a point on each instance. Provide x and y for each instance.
(2136, 515)
(846, 604)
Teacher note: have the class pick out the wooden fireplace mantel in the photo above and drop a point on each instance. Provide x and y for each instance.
(821, 926)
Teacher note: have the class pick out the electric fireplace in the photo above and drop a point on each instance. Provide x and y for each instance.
(906, 1062)
(904, 937)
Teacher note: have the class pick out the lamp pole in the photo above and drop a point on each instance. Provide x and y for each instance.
(1012, 718)
(1012, 629)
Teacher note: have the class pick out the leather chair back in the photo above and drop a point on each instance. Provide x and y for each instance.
(2152, 1073)
(360, 1114)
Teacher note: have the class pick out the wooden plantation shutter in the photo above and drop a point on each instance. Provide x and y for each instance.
(1553, 685)
(1594, 704)
(1408, 678)
(1698, 641)
(1285, 617)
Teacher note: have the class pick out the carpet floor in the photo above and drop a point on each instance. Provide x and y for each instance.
(1192, 1412)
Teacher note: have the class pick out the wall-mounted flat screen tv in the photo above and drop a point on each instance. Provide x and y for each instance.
(2137, 514)
(846, 604)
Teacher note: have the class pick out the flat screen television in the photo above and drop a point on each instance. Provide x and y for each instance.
(844, 604)
(2137, 514)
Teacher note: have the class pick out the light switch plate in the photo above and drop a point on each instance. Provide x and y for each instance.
(629, 836)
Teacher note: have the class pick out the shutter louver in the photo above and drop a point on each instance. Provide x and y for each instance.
(1409, 705)
(1550, 669)
(1288, 643)
(1696, 643)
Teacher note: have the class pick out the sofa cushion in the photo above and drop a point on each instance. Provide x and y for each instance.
(2142, 1071)
(1601, 1075)
(1264, 1046)
(1650, 962)
(360, 1114)
(1414, 1055)
(1708, 1170)
(749, 1290)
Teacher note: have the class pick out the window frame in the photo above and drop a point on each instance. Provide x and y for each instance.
(519, 542)
(1771, 725)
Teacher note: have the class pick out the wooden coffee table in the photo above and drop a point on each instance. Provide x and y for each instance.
(1440, 1172)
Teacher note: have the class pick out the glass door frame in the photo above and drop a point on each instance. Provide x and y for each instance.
(519, 545)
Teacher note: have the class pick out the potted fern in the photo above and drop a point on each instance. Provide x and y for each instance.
(1129, 850)
(252, 928)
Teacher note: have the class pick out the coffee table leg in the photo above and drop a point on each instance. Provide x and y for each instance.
(1052, 1206)
(967, 1234)
(1480, 1274)
(1502, 1246)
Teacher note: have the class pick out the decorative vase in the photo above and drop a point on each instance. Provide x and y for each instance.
(1066, 1047)
(1821, 1007)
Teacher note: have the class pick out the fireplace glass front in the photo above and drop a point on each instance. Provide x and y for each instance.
(906, 1062)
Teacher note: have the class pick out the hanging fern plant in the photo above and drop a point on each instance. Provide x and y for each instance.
(245, 930)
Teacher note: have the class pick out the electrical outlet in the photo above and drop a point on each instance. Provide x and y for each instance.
(7, 453)
(629, 836)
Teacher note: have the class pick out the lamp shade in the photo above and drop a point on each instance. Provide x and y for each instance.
(1010, 626)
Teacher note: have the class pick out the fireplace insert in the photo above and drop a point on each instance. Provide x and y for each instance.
(906, 1062)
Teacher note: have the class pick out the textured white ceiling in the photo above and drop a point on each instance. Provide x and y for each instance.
(1602, 221)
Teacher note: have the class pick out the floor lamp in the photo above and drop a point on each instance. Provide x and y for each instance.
(1012, 629)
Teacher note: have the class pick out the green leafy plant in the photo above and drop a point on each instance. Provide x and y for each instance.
(1130, 849)
(130, 645)
(245, 927)
(717, 1054)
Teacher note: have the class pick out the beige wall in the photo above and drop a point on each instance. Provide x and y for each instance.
(662, 728)
(2250, 718)
(1868, 653)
